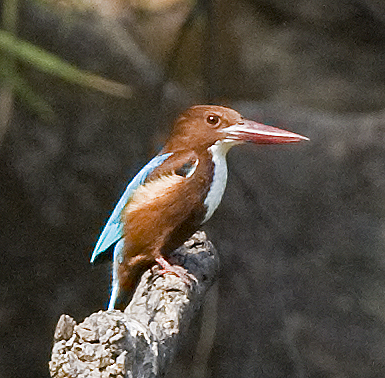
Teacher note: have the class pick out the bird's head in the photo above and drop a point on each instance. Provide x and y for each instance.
(202, 126)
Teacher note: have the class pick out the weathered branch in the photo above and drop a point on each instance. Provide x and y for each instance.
(142, 340)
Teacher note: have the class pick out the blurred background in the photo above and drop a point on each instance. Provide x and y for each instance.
(88, 89)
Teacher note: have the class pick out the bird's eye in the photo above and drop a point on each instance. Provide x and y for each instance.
(213, 119)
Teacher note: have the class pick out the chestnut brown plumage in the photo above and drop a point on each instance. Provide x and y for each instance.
(177, 191)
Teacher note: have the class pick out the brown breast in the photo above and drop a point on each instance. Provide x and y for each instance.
(164, 212)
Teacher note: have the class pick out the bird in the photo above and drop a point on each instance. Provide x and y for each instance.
(176, 192)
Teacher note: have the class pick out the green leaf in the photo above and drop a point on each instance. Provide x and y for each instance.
(52, 64)
(32, 99)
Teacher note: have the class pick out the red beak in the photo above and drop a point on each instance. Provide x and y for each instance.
(250, 131)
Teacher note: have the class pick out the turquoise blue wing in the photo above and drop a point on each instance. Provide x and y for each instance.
(113, 230)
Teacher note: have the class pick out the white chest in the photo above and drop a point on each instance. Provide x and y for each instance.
(218, 184)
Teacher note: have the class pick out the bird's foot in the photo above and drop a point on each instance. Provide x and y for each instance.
(178, 270)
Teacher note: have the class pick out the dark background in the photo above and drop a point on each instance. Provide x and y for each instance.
(301, 229)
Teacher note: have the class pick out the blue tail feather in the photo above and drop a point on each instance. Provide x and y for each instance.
(112, 234)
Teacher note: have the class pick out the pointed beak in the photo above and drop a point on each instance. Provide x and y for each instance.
(250, 131)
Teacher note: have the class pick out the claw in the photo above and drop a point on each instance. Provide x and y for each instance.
(178, 270)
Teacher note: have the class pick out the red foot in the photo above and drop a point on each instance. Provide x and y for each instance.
(178, 270)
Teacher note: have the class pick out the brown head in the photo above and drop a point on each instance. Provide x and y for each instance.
(201, 126)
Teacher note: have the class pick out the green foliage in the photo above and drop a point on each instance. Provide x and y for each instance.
(14, 51)
(52, 64)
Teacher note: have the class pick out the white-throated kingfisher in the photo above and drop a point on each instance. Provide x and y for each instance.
(177, 191)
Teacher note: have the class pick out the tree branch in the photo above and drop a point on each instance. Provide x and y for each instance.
(142, 340)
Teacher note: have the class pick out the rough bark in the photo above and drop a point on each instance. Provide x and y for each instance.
(142, 340)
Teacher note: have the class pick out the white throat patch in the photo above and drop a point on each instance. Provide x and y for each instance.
(218, 185)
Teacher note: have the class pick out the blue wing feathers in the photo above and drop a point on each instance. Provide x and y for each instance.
(113, 230)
